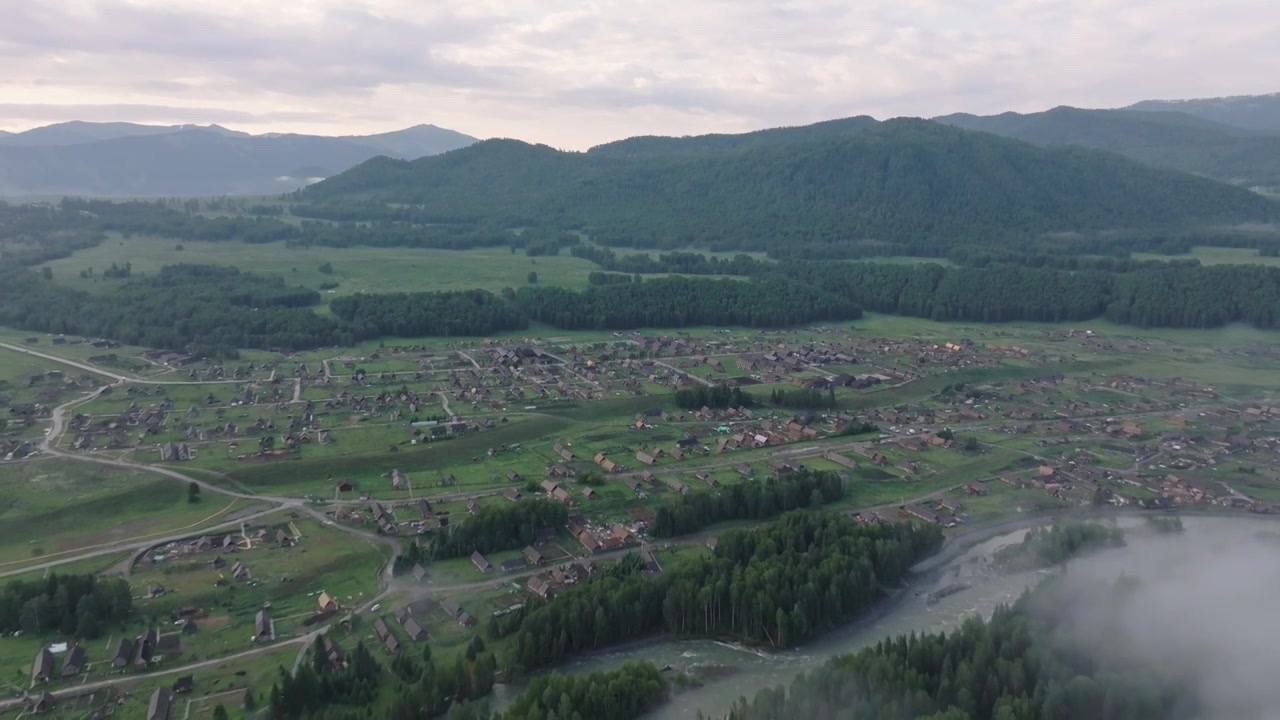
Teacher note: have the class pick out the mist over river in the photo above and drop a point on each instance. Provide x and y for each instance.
(734, 672)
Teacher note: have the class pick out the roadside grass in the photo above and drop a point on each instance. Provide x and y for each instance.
(53, 507)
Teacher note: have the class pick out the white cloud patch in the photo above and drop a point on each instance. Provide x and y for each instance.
(577, 73)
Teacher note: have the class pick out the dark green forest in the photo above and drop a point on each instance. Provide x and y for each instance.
(1027, 663)
(691, 512)
(499, 527)
(73, 605)
(622, 694)
(901, 182)
(1046, 547)
(1163, 139)
(774, 586)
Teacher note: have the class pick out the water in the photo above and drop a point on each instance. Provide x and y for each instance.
(744, 671)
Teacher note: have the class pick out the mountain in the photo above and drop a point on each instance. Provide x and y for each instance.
(912, 183)
(1254, 112)
(129, 160)
(653, 145)
(1167, 139)
(413, 142)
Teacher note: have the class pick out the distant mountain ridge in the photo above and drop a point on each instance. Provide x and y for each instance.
(1255, 112)
(132, 160)
(914, 184)
(1175, 140)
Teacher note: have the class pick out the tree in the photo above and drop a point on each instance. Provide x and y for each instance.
(533, 277)
(220, 713)
(326, 269)
(193, 492)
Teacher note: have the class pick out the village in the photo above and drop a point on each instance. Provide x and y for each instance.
(341, 458)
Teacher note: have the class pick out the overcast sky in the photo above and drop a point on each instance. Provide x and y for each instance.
(576, 73)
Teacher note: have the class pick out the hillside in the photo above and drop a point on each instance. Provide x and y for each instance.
(905, 182)
(653, 145)
(124, 159)
(1166, 139)
(1255, 112)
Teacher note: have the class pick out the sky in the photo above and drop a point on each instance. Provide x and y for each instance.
(573, 74)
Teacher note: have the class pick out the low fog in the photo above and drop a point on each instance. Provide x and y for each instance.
(1204, 608)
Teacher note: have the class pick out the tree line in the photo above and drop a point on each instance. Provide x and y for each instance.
(771, 302)
(499, 527)
(777, 586)
(1055, 545)
(73, 605)
(717, 397)
(696, 510)
(1174, 295)
(628, 692)
(424, 686)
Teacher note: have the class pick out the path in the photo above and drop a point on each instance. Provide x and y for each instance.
(444, 400)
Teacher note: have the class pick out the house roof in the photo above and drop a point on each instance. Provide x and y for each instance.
(158, 706)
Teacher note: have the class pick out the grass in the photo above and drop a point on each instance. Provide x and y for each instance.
(286, 580)
(304, 475)
(355, 269)
(50, 508)
(1217, 256)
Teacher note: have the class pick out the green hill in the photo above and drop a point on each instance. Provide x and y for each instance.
(909, 183)
(1165, 139)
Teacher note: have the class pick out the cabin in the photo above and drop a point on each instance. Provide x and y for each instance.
(326, 603)
(262, 626)
(184, 684)
(482, 564)
(121, 652)
(42, 703)
(533, 556)
(540, 587)
(145, 648)
(42, 667)
(413, 629)
(159, 704)
(74, 663)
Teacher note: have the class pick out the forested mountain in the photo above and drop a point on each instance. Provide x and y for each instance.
(1256, 112)
(123, 159)
(912, 184)
(77, 132)
(1165, 139)
(655, 145)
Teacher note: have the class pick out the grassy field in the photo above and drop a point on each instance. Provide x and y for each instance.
(355, 269)
(50, 508)
(1217, 256)
(285, 580)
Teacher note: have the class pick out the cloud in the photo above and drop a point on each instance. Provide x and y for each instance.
(577, 73)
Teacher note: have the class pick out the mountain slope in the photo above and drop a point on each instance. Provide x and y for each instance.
(1166, 139)
(1255, 112)
(653, 145)
(907, 182)
(78, 132)
(121, 159)
(413, 142)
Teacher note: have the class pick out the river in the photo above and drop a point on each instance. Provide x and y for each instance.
(746, 670)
